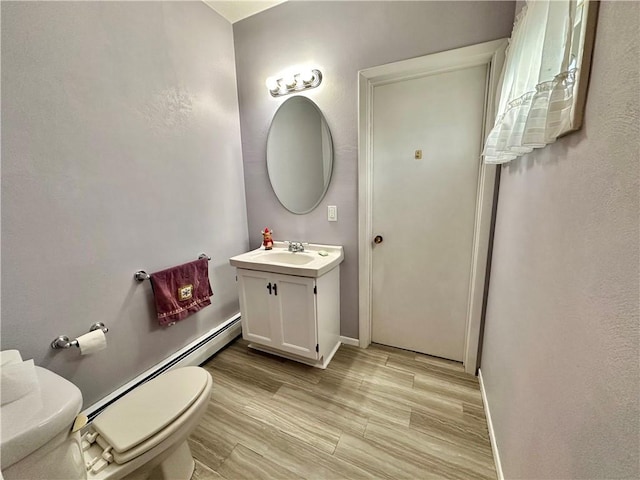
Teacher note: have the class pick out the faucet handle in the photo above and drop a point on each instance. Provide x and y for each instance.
(295, 246)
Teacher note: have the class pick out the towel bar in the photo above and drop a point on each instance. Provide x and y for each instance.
(141, 275)
(63, 341)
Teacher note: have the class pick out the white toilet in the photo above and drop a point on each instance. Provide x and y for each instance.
(142, 435)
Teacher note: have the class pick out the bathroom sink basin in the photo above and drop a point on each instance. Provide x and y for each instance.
(279, 260)
(290, 258)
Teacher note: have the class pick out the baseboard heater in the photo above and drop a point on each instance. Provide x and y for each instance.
(195, 353)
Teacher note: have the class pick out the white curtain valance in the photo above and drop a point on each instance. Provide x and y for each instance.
(537, 95)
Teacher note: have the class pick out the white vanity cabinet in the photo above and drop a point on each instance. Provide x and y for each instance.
(293, 316)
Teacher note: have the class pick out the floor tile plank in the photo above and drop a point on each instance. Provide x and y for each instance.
(439, 457)
(245, 463)
(444, 387)
(378, 460)
(301, 425)
(323, 409)
(434, 370)
(461, 435)
(202, 472)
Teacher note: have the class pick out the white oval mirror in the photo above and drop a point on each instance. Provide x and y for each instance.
(299, 155)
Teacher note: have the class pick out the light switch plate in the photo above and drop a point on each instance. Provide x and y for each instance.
(332, 213)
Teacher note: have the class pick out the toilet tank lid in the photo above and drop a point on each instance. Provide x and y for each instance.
(33, 420)
(150, 407)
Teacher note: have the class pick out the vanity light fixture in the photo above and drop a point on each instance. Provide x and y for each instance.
(292, 83)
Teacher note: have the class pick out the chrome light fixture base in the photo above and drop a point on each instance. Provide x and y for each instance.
(294, 83)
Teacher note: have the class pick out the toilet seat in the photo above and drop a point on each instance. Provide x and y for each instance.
(146, 417)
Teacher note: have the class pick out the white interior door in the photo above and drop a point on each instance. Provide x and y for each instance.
(424, 208)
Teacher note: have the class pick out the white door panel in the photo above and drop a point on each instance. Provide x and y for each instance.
(425, 208)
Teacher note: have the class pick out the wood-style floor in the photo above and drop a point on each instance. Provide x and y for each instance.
(375, 413)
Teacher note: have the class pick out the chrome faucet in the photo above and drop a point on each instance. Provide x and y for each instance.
(296, 247)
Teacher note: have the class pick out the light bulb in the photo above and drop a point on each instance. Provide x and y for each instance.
(307, 76)
(289, 80)
(272, 84)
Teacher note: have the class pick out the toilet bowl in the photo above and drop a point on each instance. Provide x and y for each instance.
(142, 435)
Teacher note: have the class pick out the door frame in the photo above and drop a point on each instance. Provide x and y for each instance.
(491, 54)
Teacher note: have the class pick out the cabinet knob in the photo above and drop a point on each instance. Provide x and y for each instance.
(378, 239)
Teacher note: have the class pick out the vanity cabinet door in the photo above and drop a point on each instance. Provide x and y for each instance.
(255, 305)
(295, 313)
(279, 311)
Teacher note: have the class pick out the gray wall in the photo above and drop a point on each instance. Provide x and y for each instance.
(560, 357)
(120, 150)
(340, 38)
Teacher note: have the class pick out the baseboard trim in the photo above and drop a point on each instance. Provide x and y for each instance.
(350, 341)
(492, 435)
(195, 353)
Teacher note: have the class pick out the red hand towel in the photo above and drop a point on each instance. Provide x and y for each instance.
(181, 291)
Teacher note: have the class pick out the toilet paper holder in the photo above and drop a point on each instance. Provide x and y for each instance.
(63, 341)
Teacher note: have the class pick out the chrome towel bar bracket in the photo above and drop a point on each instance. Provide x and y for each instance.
(141, 275)
(63, 341)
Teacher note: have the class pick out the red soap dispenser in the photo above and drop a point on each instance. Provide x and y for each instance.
(267, 241)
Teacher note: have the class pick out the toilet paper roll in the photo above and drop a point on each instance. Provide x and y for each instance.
(92, 342)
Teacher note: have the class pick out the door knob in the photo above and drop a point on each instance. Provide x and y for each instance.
(378, 239)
